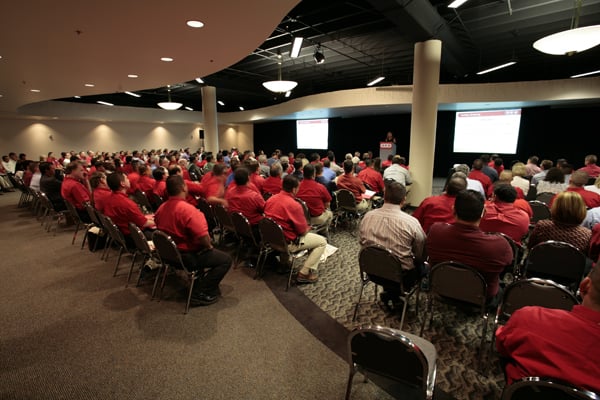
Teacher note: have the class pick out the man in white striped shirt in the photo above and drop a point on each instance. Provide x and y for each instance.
(399, 232)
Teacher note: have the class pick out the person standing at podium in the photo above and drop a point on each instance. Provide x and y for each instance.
(390, 138)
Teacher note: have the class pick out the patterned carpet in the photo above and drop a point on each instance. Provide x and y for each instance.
(455, 333)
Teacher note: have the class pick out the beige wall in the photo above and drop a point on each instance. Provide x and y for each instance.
(38, 137)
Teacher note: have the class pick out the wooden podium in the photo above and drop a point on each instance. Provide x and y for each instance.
(385, 149)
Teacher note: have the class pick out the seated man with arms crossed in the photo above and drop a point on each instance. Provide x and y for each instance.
(316, 197)
(188, 228)
(464, 242)
(559, 344)
(288, 213)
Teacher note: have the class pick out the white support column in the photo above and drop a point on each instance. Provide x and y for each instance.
(209, 113)
(426, 78)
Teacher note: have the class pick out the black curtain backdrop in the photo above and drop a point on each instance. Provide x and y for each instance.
(548, 132)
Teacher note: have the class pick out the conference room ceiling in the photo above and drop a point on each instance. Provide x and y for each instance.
(363, 39)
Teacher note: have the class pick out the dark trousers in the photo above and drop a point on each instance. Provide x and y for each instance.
(214, 264)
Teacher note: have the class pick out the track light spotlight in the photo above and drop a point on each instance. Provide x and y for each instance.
(319, 56)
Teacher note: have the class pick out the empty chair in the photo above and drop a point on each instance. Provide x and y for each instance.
(461, 283)
(532, 292)
(559, 261)
(273, 239)
(170, 257)
(78, 223)
(244, 232)
(536, 388)
(225, 222)
(142, 201)
(144, 247)
(540, 211)
(379, 265)
(395, 355)
(116, 239)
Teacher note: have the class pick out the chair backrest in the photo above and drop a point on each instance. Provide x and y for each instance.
(141, 243)
(93, 214)
(167, 250)
(560, 261)
(345, 200)
(272, 235)
(458, 281)
(545, 197)
(535, 388)
(380, 262)
(112, 229)
(209, 213)
(243, 227)
(390, 353)
(223, 217)
(517, 249)
(155, 200)
(540, 211)
(304, 209)
(73, 212)
(533, 292)
(142, 201)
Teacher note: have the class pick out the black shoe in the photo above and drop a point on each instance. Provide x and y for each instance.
(202, 299)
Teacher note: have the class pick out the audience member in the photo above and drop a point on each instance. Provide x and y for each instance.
(440, 208)
(568, 212)
(532, 167)
(545, 165)
(100, 190)
(243, 199)
(188, 228)
(577, 184)
(316, 197)
(590, 167)
(371, 177)
(52, 186)
(553, 182)
(472, 184)
(488, 169)
(122, 210)
(553, 343)
(397, 172)
(75, 188)
(463, 241)
(146, 181)
(160, 186)
(519, 173)
(478, 174)
(288, 213)
(350, 182)
(212, 185)
(393, 229)
(502, 216)
(274, 182)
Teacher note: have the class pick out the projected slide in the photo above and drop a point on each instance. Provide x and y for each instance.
(489, 131)
(312, 134)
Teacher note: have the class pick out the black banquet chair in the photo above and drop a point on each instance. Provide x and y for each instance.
(378, 264)
(395, 355)
(536, 388)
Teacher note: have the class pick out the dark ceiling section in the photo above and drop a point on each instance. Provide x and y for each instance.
(362, 39)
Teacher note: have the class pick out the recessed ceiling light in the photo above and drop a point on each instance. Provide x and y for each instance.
(106, 103)
(220, 103)
(166, 59)
(89, 85)
(35, 90)
(189, 108)
(288, 93)
(133, 94)
(132, 76)
(241, 108)
(195, 24)
(199, 80)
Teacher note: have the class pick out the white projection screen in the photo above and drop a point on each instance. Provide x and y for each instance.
(487, 131)
(312, 134)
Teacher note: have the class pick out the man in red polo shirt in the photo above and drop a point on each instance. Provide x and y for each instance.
(241, 198)
(371, 177)
(501, 215)
(100, 190)
(288, 213)
(576, 184)
(75, 188)
(194, 189)
(590, 167)
(316, 197)
(188, 228)
(350, 182)
(122, 210)
(440, 208)
(213, 185)
(273, 183)
(478, 174)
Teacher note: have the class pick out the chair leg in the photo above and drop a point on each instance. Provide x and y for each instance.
(349, 384)
(362, 286)
(133, 257)
(189, 297)
(404, 306)
(289, 282)
(75, 234)
(260, 264)
(118, 261)
(85, 236)
(156, 279)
